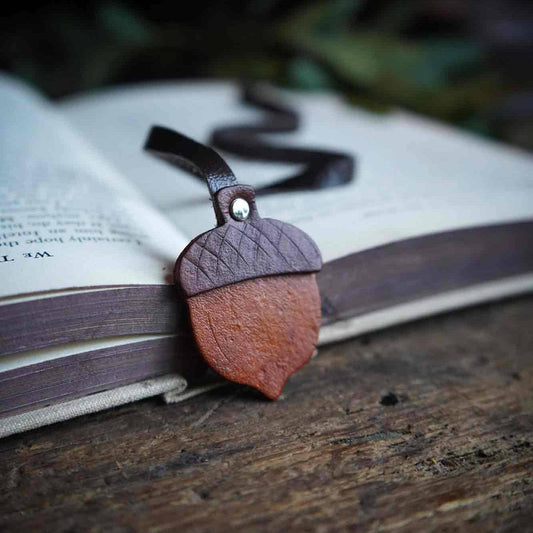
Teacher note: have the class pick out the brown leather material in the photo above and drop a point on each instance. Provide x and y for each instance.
(258, 332)
(240, 250)
(319, 169)
(190, 155)
(250, 285)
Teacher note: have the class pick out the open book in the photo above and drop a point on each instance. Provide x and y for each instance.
(90, 228)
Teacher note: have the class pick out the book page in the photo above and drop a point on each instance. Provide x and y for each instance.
(413, 177)
(117, 122)
(67, 218)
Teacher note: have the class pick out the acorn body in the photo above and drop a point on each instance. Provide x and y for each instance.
(251, 290)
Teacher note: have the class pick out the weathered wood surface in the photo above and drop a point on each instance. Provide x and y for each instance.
(335, 453)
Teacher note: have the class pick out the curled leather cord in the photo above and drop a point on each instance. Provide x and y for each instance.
(323, 169)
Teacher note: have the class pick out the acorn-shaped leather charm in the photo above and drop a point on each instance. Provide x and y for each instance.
(249, 283)
(252, 294)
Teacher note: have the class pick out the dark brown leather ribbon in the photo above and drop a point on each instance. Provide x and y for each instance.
(194, 157)
(250, 283)
(322, 169)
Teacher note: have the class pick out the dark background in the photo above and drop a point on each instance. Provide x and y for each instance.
(466, 62)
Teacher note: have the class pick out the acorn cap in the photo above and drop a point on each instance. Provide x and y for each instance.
(238, 250)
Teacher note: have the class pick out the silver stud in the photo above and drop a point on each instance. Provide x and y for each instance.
(239, 209)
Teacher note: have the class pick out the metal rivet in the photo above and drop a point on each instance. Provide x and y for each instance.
(239, 209)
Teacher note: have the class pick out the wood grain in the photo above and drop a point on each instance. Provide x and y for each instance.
(424, 427)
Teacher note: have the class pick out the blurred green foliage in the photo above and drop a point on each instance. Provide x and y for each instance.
(425, 56)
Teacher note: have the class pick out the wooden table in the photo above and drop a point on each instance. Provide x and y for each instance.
(423, 427)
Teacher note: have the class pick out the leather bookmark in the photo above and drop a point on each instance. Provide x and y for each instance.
(249, 283)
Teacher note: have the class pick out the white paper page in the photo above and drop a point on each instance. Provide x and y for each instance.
(117, 123)
(414, 177)
(67, 219)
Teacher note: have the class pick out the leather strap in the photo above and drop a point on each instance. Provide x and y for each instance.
(322, 169)
(198, 159)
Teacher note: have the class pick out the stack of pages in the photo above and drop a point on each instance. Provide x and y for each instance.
(90, 228)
